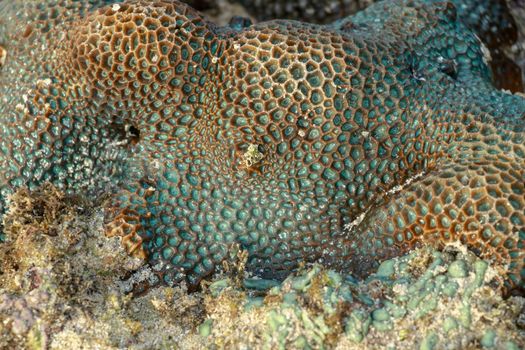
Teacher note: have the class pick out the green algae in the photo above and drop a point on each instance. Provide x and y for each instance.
(450, 324)
(429, 342)
(488, 339)
(386, 269)
(434, 291)
(205, 328)
(357, 325)
(260, 284)
(458, 269)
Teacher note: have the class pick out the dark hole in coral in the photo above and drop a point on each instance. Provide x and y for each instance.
(414, 69)
(449, 67)
(125, 132)
(133, 134)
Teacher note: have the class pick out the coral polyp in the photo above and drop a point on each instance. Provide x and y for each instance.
(372, 135)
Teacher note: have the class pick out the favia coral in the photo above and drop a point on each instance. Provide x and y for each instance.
(374, 135)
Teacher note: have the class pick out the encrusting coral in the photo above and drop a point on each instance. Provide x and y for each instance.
(374, 135)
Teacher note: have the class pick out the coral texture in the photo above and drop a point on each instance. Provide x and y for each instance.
(347, 144)
(491, 20)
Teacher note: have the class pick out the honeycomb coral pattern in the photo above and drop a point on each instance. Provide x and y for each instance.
(490, 19)
(347, 143)
(477, 199)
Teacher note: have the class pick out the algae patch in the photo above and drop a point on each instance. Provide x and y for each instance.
(426, 299)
